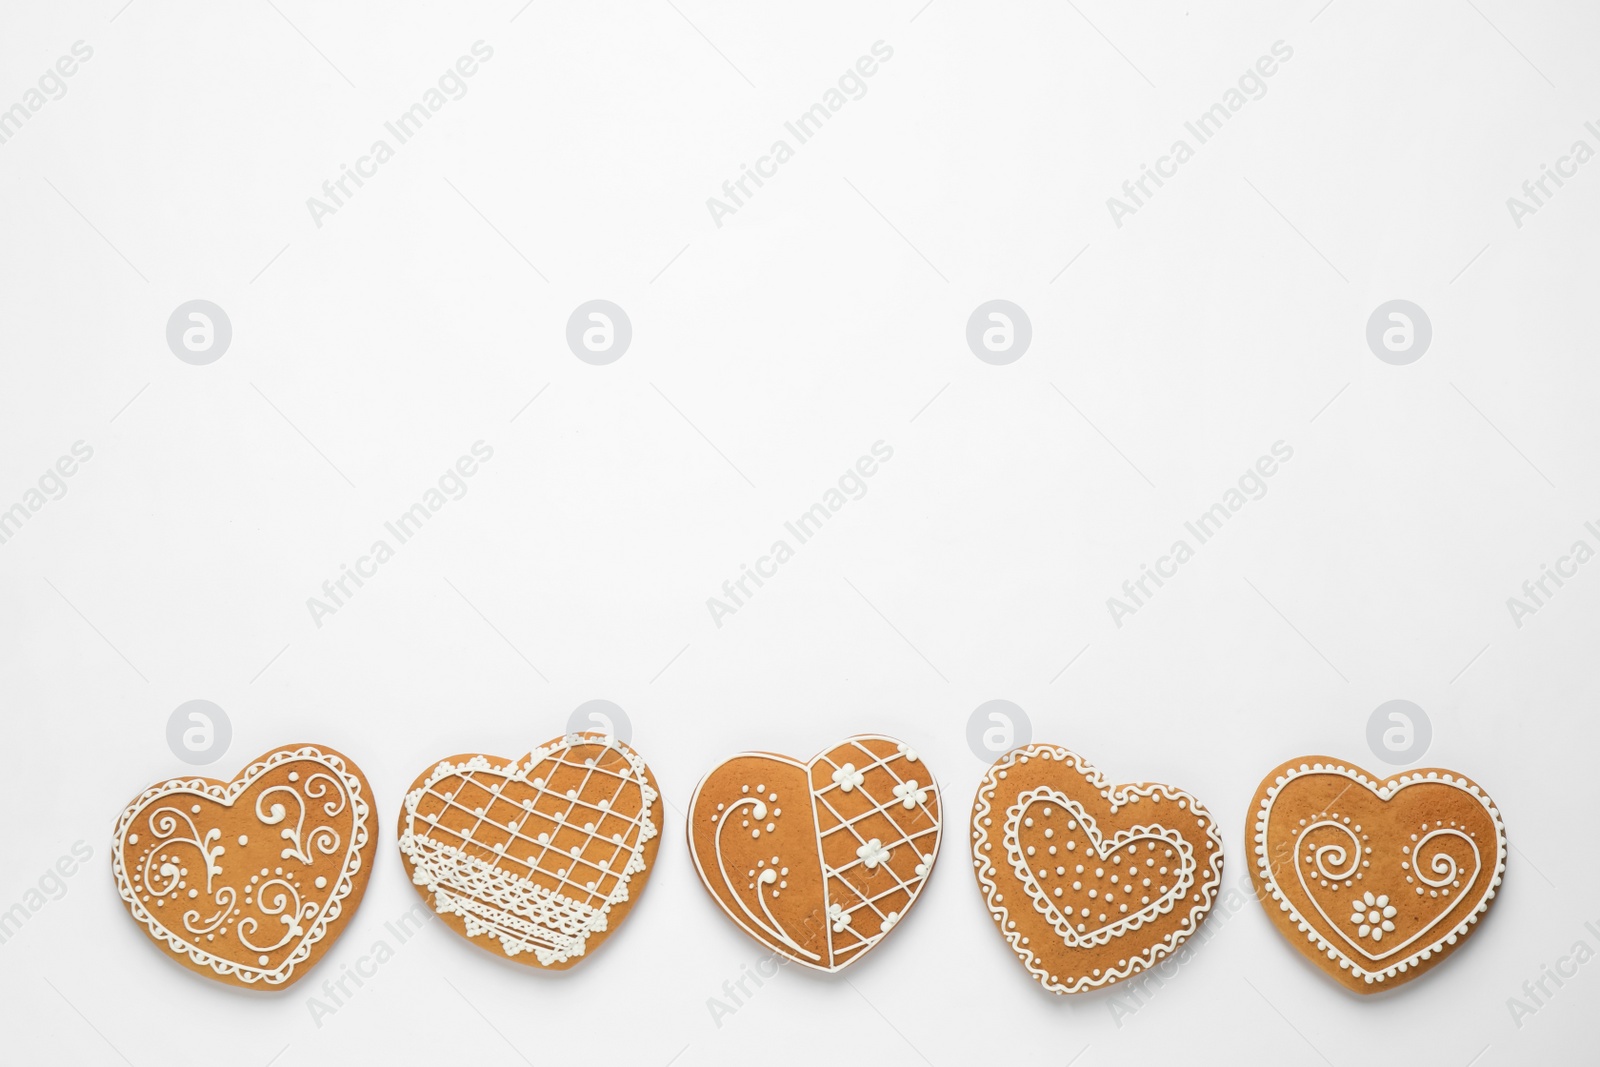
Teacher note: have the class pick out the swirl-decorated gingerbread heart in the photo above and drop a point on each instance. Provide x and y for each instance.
(1375, 880)
(249, 881)
(817, 860)
(1090, 882)
(538, 858)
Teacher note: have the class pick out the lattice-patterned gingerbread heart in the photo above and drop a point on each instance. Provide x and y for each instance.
(249, 881)
(1089, 882)
(1375, 880)
(539, 858)
(818, 860)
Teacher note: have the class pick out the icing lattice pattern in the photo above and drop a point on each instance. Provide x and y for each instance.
(533, 854)
(878, 824)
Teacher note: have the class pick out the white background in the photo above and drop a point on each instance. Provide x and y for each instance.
(768, 354)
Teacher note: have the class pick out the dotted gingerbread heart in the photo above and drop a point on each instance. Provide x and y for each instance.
(1090, 883)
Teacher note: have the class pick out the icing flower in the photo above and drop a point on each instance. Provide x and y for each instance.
(889, 920)
(872, 853)
(908, 752)
(1372, 915)
(840, 917)
(922, 868)
(909, 794)
(847, 777)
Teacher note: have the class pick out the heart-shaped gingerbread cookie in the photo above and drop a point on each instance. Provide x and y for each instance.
(249, 881)
(1089, 882)
(1375, 880)
(543, 855)
(817, 860)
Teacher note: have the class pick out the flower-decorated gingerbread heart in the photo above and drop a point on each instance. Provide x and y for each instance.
(818, 860)
(1089, 882)
(249, 881)
(1375, 880)
(538, 858)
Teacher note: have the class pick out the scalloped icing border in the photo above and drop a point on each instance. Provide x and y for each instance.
(226, 794)
(1385, 793)
(1118, 796)
(517, 770)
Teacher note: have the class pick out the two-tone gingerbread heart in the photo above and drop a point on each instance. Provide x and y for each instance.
(1089, 882)
(249, 881)
(1375, 880)
(817, 860)
(543, 855)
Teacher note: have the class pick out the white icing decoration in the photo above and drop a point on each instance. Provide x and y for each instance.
(884, 799)
(909, 794)
(1358, 949)
(298, 924)
(1073, 931)
(872, 853)
(530, 897)
(1161, 846)
(847, 777)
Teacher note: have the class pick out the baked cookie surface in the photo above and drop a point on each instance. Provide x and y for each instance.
(1090, 882)
(539, 858)
(249, 881)
(1375, 880)
(817, 860)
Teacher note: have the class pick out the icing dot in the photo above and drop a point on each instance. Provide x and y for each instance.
(133, 839)
(321, 883)
(244, 839)
(195, 809)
